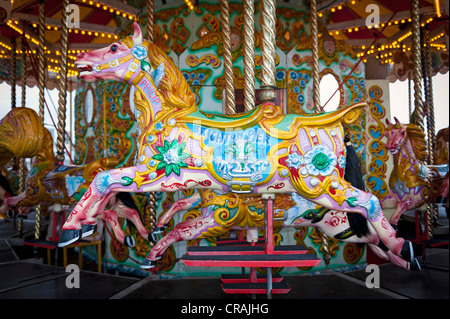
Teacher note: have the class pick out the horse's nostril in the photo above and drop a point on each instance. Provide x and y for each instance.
(80, 55)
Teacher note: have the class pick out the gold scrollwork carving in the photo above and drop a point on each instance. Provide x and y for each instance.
(210, 59)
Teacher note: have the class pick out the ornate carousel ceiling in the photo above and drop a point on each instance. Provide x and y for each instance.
(103, 21)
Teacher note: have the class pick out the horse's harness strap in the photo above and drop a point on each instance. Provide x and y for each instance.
(113, 63)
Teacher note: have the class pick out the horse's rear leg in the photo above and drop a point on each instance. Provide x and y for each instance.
(368, 205)
(180, 205)
(110, 217)
(188, 230)
(133, 216)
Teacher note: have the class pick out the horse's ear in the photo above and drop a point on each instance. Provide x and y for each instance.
(137, 35)
(397, 122)
(388, 123)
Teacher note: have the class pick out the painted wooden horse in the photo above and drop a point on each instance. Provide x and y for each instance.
(22, 134)
(411, 179)
(180, 147)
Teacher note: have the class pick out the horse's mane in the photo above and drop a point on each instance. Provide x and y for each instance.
(418, 142)
(21, 134)
(173, 86)
(444, 133)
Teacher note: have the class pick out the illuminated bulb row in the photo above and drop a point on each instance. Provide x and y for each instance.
(13, 26)
(437, 8)
(380, 25)
(83, 32)
(437, 36)
(56, 69)
(110, 9)
(439, 46)
(335, 8)
(189, 4)
(102, 34)
(7, 46)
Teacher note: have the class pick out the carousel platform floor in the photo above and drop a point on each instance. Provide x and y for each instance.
(24, 279)
(28, 279)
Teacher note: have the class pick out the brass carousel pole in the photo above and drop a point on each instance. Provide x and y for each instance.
(41, 86)
(249, 55)
(62, 85)
(316, 99)
(268, 95)
(151, 195)
(315, 56)
(433, 209)
(429, 95)
(417, 74)
(150, 20)
(418, 113)
(409, 97)
(13, 72)
(22, 174)
(268, 85)
(227, 57)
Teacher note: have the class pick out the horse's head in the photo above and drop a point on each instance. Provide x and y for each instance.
(132, 58)
(396, 136)
(120, 61)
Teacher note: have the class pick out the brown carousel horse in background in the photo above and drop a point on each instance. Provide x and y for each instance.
(22, 134)
(412, 182)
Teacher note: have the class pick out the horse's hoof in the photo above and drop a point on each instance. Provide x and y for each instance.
(347, 233)
(316, 215)
(414, 265)
(159, 230)
(129, 241)
(87, 230)
(69, 236)
(148, 264)
(153, 237)
(407, 252)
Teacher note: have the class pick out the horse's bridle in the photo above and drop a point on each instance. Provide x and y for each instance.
(129, 62)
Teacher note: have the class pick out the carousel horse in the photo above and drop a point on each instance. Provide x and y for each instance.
(22, 134)
(262, 151)
(411, 180)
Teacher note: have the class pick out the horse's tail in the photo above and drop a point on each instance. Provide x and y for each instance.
(128, 201)
(353, 175)
(4, 183)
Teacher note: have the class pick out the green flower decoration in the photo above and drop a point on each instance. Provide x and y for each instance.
(171, 157)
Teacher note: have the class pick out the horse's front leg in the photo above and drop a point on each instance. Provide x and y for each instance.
(12, 201)
(104, 186)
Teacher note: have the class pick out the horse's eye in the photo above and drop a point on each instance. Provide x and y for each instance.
(114, 48)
